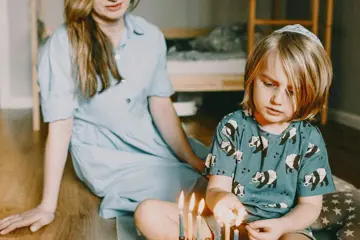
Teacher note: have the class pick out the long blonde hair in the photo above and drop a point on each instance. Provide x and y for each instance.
(91, 48)
(306, 64)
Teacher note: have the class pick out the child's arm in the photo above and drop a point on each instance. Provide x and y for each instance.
(314, 180)
(303, 215)
(218, 187)
(219, 198)
(221, 165)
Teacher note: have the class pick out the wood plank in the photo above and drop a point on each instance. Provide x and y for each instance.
(207, 82)
(185, 32)
(21, 182)
(282, 22)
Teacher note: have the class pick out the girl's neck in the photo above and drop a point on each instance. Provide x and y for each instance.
(113, 29)
(274, 128)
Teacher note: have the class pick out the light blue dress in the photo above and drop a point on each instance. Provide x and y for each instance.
(115, 146)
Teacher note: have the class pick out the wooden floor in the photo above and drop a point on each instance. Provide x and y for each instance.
(21, 165)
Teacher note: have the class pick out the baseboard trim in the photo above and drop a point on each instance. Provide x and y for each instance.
(16, 103)
(348, 119)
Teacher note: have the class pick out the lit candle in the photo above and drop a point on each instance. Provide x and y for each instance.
(218, 230)
(198, 218)
(237, 223)
(236, 234)
(228, 216)
(227, 231)
(190, 217)
(181, 223)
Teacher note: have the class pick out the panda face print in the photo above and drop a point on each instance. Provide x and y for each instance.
(292, 162)
(254, 141)
(312, 150)
(247, 112)
(228, 148)
(289, 136)
(210, 160)
(260, 144)
(277, 205)
(239, 190)
(316, 179)
(267, 178)
(229, 129)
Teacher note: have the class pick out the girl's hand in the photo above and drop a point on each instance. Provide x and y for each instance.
(35, 218)
(230, 209)
(197, 164)
(200, 166)
(270, 229)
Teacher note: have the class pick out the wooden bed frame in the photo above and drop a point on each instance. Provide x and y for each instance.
(199, 82)
(36, 13)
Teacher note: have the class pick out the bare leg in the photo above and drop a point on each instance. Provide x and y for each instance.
(159, 220)
(294, 236)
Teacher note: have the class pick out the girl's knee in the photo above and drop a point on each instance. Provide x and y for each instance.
(145, 210)
(160, 212)
(294, 236)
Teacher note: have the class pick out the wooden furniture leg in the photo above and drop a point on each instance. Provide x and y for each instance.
(251, 25)
(328, 31)
(34, 51)
(315, 17)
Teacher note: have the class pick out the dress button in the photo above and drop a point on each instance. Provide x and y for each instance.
(128, 100)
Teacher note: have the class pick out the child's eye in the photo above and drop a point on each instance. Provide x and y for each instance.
(291, 92)
(268, 84)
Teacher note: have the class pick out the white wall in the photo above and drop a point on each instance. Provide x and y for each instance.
(176, 13)
(15, 17)
(53, 13)
(15, 50)
(344, 94)
(20, 48)
(4, 56)
(198, 13)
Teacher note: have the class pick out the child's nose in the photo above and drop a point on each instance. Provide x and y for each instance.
(277, 97)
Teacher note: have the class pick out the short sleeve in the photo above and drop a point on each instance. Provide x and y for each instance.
(57, 86)
(224, 151)
(160, 84)
(315, 177)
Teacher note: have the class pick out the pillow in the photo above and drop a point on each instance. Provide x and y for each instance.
(342, 185)
(340, 213)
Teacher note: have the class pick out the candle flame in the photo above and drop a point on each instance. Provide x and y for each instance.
(228, 216)
(238, 221)
(181, 201)
(219, 210)
(201, 206)
(240, 216)
(192, 203)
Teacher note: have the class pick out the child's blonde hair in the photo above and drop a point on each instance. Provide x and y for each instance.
(307, 67)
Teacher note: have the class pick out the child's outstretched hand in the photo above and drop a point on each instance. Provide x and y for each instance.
(230, 209)
(270, 229)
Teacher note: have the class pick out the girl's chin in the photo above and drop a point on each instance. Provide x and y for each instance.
(265, 119)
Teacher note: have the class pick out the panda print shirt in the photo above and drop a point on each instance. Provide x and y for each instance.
(269, 171)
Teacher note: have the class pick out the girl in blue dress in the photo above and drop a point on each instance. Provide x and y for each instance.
(105, 93)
